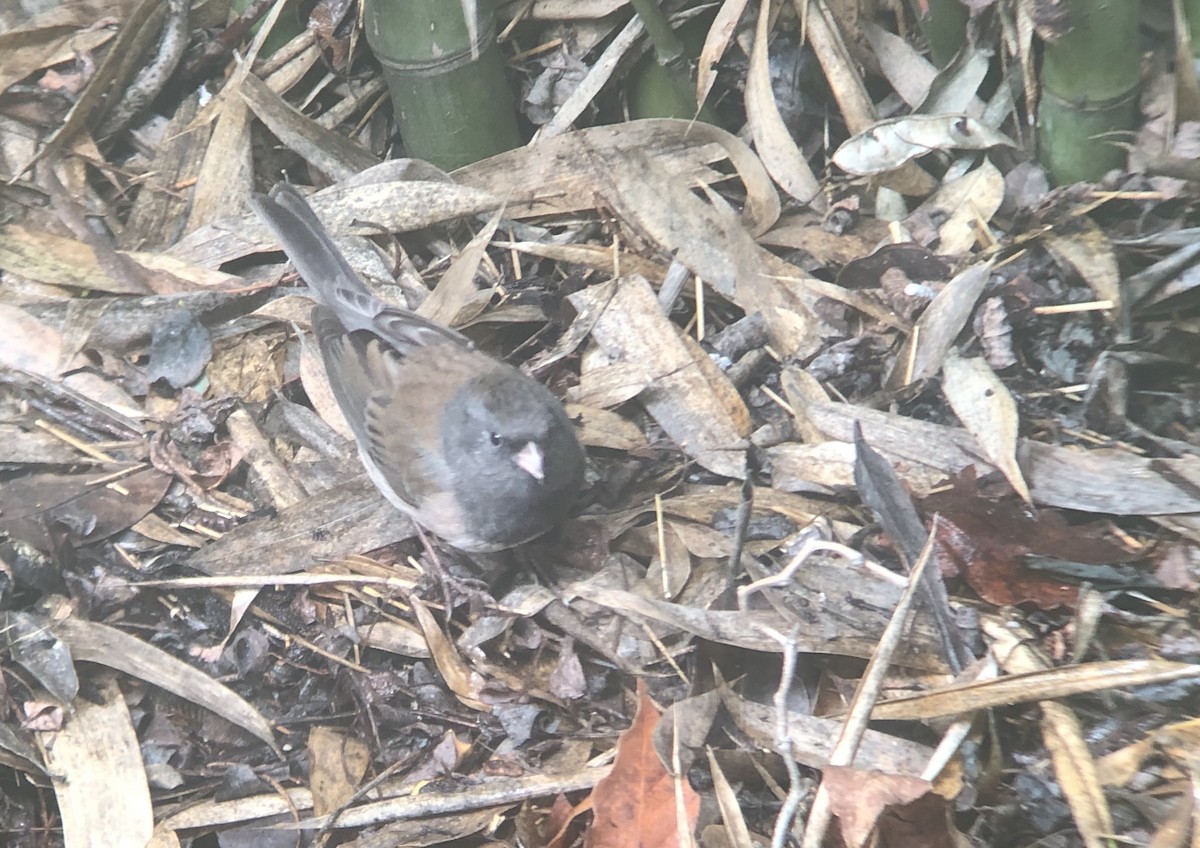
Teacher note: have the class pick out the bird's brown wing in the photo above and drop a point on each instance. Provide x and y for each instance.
(393, 402)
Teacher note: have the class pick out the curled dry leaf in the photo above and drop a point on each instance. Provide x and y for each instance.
(896, 809)
(564, 173)
(772, 139)
(890, 144)
(720, 33)
(464, 682)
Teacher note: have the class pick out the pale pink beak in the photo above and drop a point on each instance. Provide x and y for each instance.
(530, 460)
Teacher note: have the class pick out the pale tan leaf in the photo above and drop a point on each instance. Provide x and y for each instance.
(812, 738)
(731, 810)
(463, 682)
(1073, 763)
(1021, 688)
(603, 428)
(966, 204)
(58, 260)
(983, 404)
(820, 468)
(98, 643)
(1088, 251)
(689, 396)
(716, 42)
(456, 288)
(98, 775)
(908, 72)
(564, 174)
(360, 208)
(597, 257)
(227, 173)
(923, 352)
(337, 763)
(329, 152)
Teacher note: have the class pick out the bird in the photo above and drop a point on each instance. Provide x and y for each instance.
(469, 447)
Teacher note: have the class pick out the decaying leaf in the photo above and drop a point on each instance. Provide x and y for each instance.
(640, 802)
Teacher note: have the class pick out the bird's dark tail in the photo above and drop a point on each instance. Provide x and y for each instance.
(312, 251)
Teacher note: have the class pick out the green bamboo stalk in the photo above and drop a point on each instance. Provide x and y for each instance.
(944, 25)
(446, 77)
(1191, 11)
(1089, 90)
(662, 85)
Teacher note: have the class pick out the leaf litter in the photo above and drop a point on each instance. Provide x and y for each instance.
(931, 455)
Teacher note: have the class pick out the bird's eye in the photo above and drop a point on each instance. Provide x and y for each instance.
(495, 439)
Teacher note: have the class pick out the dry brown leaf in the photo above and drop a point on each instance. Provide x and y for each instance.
(772, 139)
(1090, 254)
(55, 259)
(749, 629)
(985, 407)
(639, 803)
(597, 257)
(227, 173)
(354, 208)
(731, 811)
(463, 682)
(716, 42)
(56, 35)
(908, 72)
(603, 428)
(1032, 686)
(250, 366)
(938, 327)
(967, 204)
(560, 175)
(336, 763)
(1058, 476)
(329, 152)
(821, 468)
(456, 289)
(812, 738)
(98, 643)
(889, 809)
(689, 396)
(82, 507)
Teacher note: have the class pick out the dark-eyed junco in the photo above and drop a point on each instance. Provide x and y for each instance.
(468, 446)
